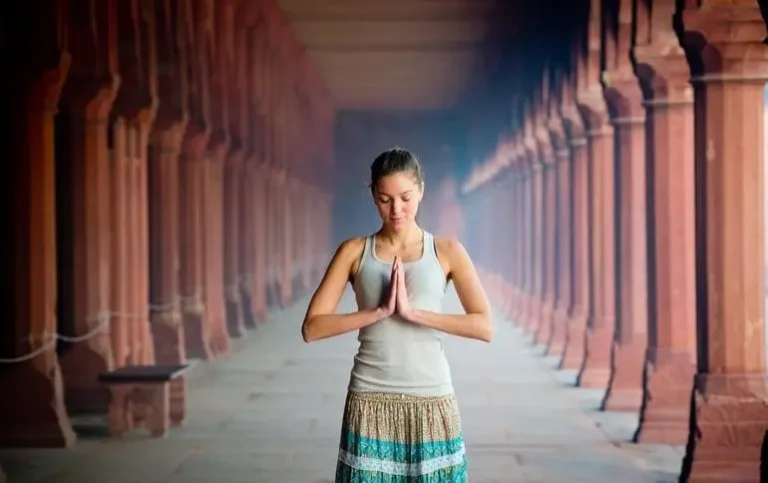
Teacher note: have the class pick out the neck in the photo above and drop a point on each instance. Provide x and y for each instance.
(401, 237)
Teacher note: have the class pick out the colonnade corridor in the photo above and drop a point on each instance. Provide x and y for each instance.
(178, 173)
(271, 411)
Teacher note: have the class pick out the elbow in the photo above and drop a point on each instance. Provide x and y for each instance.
(307, 334)
(486, 329)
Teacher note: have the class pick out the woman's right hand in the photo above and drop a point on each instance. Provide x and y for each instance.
(390, 305)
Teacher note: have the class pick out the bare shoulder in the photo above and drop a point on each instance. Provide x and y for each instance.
(451, 253)
(350, 251)
(450, 247)
(351, 247)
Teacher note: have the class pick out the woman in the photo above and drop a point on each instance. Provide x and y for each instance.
(401, 420)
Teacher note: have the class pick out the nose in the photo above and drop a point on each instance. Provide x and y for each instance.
(397, 206)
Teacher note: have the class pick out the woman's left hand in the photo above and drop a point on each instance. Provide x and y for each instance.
(404, 309)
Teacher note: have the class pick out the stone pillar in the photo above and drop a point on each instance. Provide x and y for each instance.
(238, 303)
(36, 415)
(219, 23)
(671, 356)
(196, 324)
(575, 340)
(258, 134)
(548, 238)
(125, 313)
(526, 235)
(602, 198)
(130, 315)
(631, 335)
(516, 250)
(518, 207)
(730, 417)
(87, 98)
(213, 229)
(563, 260)
(234, 234)
(197, 330)
(535, 225)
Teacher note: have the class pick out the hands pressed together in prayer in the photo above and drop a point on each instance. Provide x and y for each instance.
(397, 302)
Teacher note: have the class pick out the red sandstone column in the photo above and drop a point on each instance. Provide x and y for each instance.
(124, 314)
(145, 353)
(535, 243)
(261, 215)
(213, 228)
(219, 22)
(631, 335)
(197, 326)
(562, 272)
(519, 232)
(260, 206)
(596, 369)
(575, 340)
(526, 233)
(90, 91)
(236, 98)
(234, 233)
(134, 110)
(671, 355)
(137, 102)
(36, 414)
(730, 416)
(516, 228)
(549, 235)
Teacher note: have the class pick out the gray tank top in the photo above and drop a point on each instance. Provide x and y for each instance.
(397, 356)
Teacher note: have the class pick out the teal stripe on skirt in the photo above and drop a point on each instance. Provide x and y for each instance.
(395, 438)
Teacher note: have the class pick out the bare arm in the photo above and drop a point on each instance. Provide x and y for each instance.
(321, 321)
(477, 322)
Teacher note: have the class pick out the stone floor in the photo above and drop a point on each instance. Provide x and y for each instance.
(270, 413)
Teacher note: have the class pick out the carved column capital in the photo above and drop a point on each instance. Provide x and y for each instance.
(727, 40)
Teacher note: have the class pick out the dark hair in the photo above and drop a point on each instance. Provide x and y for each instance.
(395, 160)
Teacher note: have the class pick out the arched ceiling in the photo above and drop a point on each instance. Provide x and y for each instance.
(393, 54)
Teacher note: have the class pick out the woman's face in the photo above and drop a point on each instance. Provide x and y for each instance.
(397, 198)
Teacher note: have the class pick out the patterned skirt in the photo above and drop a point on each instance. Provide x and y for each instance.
(396, 438)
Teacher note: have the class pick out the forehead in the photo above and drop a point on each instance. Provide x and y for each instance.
(397, 183)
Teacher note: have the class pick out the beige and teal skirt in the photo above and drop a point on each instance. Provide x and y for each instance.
(396, 438)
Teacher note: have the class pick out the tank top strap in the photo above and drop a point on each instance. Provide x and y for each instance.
(430, 249)
(367, 249)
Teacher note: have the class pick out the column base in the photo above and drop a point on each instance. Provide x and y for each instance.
(544, 329)
(575, 342)
(556, 345)
(728, 425)
(521, 310)
(196, 340)
(249, 315)
(665, 415)
(235, 317)
(596, 371)
(81, 364)
(625, 390)
(220, 340)
(533, 315)
(34, 417)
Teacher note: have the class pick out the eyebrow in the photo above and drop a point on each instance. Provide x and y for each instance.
(391, 196)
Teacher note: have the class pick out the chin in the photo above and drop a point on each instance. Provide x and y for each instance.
(400, 225)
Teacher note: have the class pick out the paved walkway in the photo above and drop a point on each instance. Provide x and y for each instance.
(270, 413)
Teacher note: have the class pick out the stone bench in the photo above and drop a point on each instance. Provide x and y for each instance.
(140, 397)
